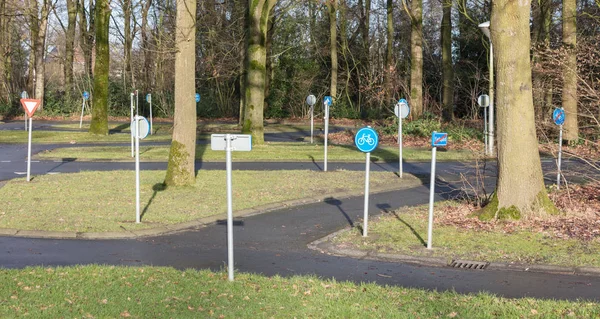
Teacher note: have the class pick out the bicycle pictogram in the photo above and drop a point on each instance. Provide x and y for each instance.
(366, 138)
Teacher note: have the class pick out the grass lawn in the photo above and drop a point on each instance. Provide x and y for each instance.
(153, 292)
(71, 137)
(405, 232)
(105, 201)
(266, 152)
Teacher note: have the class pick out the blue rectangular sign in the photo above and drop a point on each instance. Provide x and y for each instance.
(439, 139)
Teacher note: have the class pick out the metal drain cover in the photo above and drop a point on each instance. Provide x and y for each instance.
(467, 264)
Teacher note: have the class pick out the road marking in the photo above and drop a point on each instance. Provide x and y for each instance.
(5, 161)
(53, 173)
(20, 173)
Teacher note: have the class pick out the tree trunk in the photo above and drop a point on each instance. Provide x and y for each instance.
(520, 187)
(99, 124)
(569, 92)
(86, 34)
(72, 7)
(416, 58)
(447, 68)
(256, 56)
(39, 25)
(389, 65)
(127, 43)
(182, 156)
(332, 8)
(146, 74)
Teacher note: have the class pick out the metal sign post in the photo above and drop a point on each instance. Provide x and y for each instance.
(559, 119)
(401, 110)
(437, 139)
(366, 140)
(139, 128)
(30, 106)
(327, 100)
(229, 143)
(85, 96)
(131, 113)
(311, 100)
(484, 101)
(24, 95)
(149, 100)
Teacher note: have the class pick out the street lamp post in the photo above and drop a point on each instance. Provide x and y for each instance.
(485, 28)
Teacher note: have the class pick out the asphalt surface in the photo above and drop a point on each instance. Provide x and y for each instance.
(276, 242)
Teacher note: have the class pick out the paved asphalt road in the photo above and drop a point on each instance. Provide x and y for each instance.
(276, 242)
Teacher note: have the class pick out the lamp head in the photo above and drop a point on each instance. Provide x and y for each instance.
(485, 28)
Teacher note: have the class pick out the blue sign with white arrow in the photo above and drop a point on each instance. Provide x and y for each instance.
(328, 100)
(366, 139)
(86, 95)
(558, 116)
(439, 139)
(197, 97)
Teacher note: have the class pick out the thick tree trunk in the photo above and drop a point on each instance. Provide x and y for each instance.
(447, 68)
(256, 56)
(389, 60)
(39, 46)
(99, 124)
(69, 44)
(181, 166)
(520, 188)
(416, 58)
(569, 92)
(332, 8)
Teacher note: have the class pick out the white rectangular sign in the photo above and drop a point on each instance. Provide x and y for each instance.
(239, 142)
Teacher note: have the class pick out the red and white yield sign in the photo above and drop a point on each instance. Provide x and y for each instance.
(30, 105)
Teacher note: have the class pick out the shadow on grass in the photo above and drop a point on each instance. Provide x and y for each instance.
(412, 230)
(159, 187)
(338, 203)
(119, 129)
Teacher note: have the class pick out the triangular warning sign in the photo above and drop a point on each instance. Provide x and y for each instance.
(30, 105)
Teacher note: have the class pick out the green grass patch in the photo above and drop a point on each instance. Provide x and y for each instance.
(405, 232)
(66, 137)
(105, 201)
(160, 292)
(266, 152)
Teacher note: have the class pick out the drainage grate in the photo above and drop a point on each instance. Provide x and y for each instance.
(466, 264)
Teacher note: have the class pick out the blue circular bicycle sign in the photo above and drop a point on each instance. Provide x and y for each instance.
(366, 139)
(86, 95)
(558, 116)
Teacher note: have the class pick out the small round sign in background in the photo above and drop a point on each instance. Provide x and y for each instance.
(483, 100)
(144, 127)
(197, 97)
(366, 139)
(402, 109)
(86, 95)
(311, 100)
(558, 116)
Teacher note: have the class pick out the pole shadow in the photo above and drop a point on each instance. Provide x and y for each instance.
(338, 203)
(159, 187)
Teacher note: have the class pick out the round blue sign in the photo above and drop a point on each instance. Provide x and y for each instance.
(86, 95)
(197, 97)
(366, 139)
(558, 116)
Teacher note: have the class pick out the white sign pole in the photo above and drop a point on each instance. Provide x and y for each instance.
(400, 145)
(431, 193)
(29, 150)
(137, 170)
(82, 109)
(151, 127)
(312, 122)
(560, 138)
(485, 130)
(229, 210)
(326, 134)
(132, 146)
(25, 117)
(366, 211)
